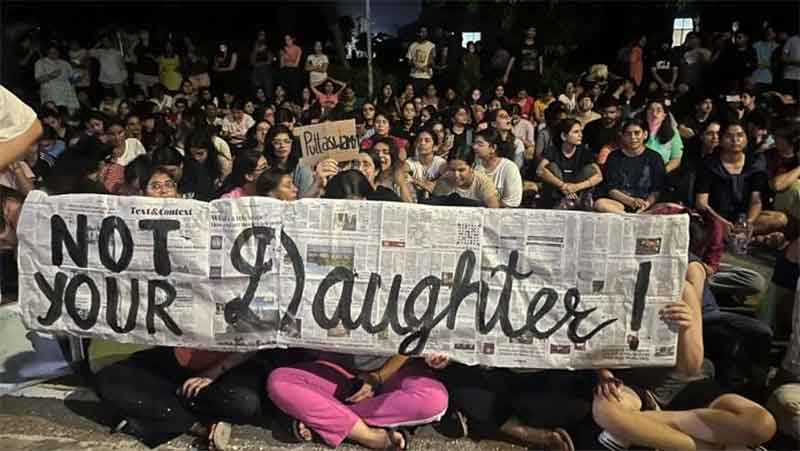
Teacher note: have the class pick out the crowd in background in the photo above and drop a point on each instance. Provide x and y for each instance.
(710, 128)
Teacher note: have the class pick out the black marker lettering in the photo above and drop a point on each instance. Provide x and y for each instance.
(72, 309)
(77, 248)
(161, 229)
(109, 226)
(155, 309)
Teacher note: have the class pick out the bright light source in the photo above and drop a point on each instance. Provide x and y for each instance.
(470, 37)
(680, 28)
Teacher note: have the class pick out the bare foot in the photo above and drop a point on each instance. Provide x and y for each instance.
(304, 431)
(395, 440)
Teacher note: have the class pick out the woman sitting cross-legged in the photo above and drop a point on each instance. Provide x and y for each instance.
(164, 392)
(568, 169)
(360, 398)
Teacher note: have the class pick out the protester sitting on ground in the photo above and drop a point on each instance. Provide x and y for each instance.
(394, 173)
(276, 185)
(282, 155)
(691, 125)
(530, 407)
(523, 129)
(783, 402)
(499, 168)
(634, 175)
(247, 168)
(367, 399)
(235, 126)
(695, 415)
(602, 136)
(408, 125)
(383, 125)
(425, 167)
(328, 96)
(731, 185)
(370, 164)
(460, 130)
(461, 179)
(203, 165)
(662, 135)
(585, 111)
(164, 392)
(568, 170)
(514, 148)
(783, 167)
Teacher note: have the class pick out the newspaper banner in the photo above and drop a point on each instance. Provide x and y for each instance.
(509, 288)
(336, 140)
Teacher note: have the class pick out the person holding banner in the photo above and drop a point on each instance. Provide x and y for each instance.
(359, 397)
(164, 392)
(461, 179)
(498, 167)
(632, 415)
(369, 163)
(19, 128)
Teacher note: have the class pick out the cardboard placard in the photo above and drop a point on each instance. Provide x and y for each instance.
(336, 140)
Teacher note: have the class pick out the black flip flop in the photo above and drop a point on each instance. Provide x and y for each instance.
(406, 438)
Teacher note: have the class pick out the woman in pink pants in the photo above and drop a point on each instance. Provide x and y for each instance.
(361, 398)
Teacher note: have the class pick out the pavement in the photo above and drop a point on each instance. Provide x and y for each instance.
(54, 417)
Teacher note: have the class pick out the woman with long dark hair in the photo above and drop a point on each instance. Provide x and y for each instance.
(247, 167)
(202, 170)
(664, 137)
(387, 102)
(283, 154)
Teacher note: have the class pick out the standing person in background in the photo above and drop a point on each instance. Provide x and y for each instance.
(146, 70)
(317, 65)
(79, 58)
(290, 57)
(762, 76)
(169, 64)
(736, 63)
(636, 60)
(529, 63)
(791, 66)
(55, 77)
(694, 62)
(471, 75)
(113, 73)
(224, 68)
(261, 59)
(421, 55)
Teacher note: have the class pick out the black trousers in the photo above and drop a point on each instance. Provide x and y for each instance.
(488, 397)
(143, 389)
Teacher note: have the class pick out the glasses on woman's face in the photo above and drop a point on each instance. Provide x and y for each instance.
(163, 185)
(278, 142)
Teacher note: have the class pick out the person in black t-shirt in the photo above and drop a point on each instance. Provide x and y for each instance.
(691, 125)
(664, 68)
(568, 170)
(634, 175)
(731, 184)
(527, 63)
(605, 132)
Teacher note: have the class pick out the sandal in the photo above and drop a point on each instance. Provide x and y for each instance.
(220, 436)
(565, 438)
(392, 446)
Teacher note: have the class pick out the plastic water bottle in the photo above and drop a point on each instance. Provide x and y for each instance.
(741, 240)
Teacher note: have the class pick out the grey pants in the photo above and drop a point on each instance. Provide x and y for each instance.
(736, 281)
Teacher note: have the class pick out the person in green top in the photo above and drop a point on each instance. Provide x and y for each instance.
(664, 137)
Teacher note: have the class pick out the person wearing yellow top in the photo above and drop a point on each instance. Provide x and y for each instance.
(169, 65)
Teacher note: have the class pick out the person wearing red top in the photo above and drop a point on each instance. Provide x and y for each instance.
(290, 57)
(328, 96)
(525, 103)
(382, 127)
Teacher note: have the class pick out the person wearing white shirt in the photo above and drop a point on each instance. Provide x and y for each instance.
(426, 167)
(55, 79)
(113, 73)
(235, 126)
(317, 65)
(791, 69)
(502, 171)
